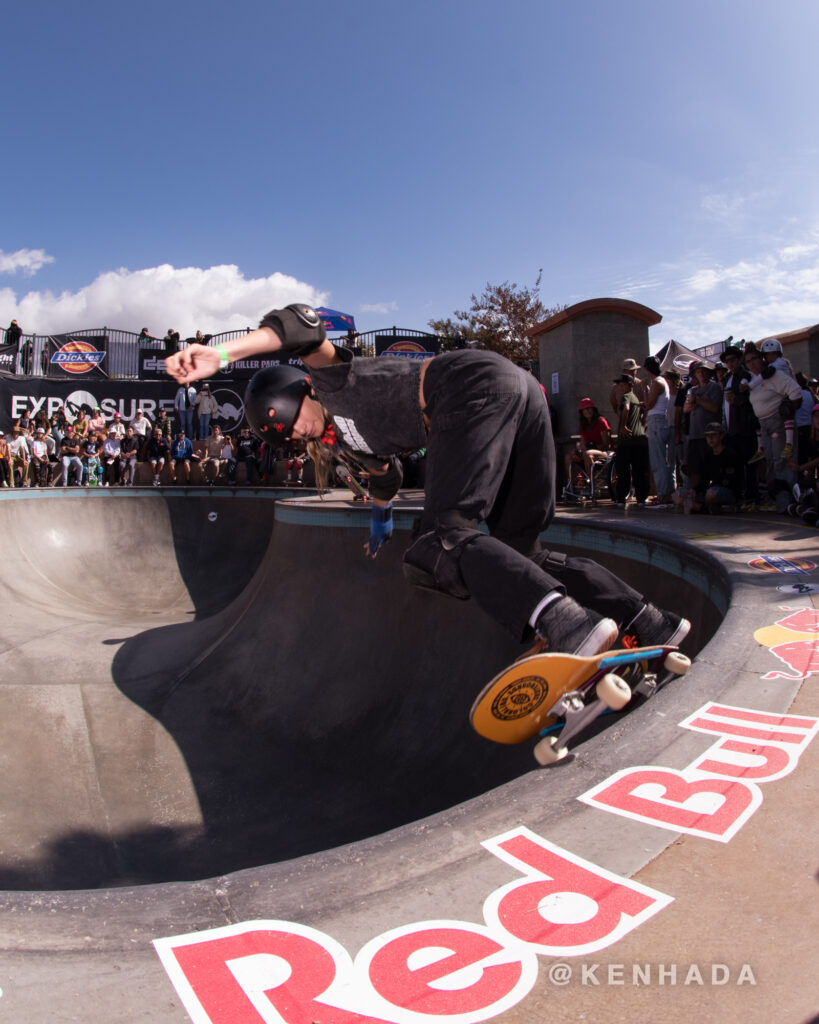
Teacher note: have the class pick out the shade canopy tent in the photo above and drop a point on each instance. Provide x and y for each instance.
(333, 320)
(675, 356)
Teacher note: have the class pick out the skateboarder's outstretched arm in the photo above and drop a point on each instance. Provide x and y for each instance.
(291, 330)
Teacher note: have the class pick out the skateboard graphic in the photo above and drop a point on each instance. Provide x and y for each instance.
(533, 695)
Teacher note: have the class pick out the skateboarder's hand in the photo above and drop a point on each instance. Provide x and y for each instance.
(380, 528)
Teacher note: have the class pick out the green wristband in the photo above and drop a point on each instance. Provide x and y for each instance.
(224, 359)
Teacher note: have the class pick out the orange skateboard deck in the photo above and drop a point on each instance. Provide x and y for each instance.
(536, 692)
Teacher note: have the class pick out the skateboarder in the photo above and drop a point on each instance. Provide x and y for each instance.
(490, 459)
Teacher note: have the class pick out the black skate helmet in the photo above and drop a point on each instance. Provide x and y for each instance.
(273, 399)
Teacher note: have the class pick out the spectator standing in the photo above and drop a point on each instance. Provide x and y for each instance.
(629, 367)
(767, 387)
(631, 454)
(171, 342)
(183, 403)
(206, 406)
(660, 433)
(6, 478)
(14, 333)
(703, 403)
(740, 422)
(144, 337)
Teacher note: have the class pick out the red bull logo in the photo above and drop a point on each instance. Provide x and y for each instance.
(789, 566)
(77, 357)
(794, 640)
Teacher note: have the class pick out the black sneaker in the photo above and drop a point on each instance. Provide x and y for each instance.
(653, 627)
(568, 627)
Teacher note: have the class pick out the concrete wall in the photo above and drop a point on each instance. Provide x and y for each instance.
(587, 353)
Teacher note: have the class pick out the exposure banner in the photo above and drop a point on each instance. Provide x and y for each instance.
(21, 394)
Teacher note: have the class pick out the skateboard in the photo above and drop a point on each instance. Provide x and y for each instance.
(359, 494)
(535, 694)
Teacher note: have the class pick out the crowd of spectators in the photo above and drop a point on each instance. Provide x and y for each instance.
(89, 450)
(742, 433)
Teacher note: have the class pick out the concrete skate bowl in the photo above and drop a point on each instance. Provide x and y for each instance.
(196, 683)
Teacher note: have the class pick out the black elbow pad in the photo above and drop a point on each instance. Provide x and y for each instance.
(299, 327)
(385, 485)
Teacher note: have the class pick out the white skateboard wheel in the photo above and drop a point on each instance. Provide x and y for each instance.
(548, 752)
(613, 691)
(677, 663)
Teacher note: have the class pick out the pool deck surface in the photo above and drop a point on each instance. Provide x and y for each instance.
(734, 937)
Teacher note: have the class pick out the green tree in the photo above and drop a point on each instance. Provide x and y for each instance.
(499, 318)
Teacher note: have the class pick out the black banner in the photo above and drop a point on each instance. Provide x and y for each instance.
(21, 394)
(152, 367)
(75, 356)
(410, 346)
(8, 358)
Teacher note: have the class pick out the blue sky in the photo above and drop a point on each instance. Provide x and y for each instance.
(191, 165)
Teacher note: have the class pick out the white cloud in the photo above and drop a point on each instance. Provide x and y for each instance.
(752, 298)
(380, 307)
(188, 299)
(27, 260)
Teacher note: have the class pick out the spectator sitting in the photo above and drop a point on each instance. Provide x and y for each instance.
(158, 453)
(70, 456)
(246, 448)
(117, 426)
(97, 425)
(164, 424)
(18, 450)
(182, 453)
(595, 440)
(206, 406)
(213, 455)
(111, 448)
(91, 460)
(141, 425)
(40, 467)
(5, 461)
(128, 451)
(723, 477)
(81, 424)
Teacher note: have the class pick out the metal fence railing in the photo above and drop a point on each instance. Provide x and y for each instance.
(123, 348)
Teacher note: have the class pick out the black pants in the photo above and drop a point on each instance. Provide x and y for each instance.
(632, 465)
(491, 458)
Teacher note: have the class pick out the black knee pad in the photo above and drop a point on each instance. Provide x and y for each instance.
(432, 561)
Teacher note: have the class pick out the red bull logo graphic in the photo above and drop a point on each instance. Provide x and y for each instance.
(77, 357)
(790, 566)
(794, 640)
